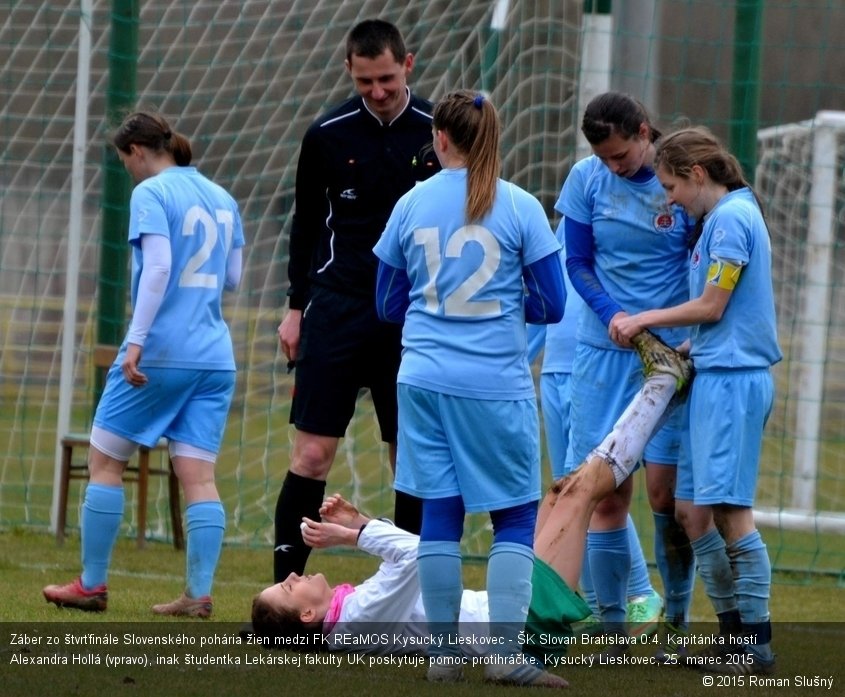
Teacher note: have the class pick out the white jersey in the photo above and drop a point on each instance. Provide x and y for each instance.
(385, 615)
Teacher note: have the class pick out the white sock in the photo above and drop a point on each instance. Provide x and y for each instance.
(623, 446)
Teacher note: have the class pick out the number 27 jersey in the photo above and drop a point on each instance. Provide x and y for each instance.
(202, 222)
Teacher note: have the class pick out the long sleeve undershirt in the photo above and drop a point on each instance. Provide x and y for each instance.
(580, 265)
(155, 273)
(152, 283)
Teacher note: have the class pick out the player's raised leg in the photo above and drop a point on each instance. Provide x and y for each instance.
(561, 529)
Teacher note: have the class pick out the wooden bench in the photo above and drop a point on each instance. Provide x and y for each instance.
(138, 471)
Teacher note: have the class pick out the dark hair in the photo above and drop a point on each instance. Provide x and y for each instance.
(152, 131)
(265, 614)
(678, 152)
(471, 122)
(277, 625)
(615, 112)
(370, 38)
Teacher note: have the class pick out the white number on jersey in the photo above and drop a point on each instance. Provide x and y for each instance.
(459, 302)
(191, 276)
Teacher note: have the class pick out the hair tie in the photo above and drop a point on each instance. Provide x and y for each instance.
(478, 101)
(167, 135)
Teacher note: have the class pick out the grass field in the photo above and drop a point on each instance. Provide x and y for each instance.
(806, 604)
(809, 633)
(255, 457)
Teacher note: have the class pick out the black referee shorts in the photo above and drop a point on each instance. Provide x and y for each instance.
(344, 348)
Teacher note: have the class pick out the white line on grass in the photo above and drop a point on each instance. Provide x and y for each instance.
(135, 574)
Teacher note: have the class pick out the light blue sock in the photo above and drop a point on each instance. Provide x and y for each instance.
(715, 571)
(639, 582)
(610, 566)
(509, 569)
(205, 522)
(753, 578)
(102, 513)
(588, 592)
(441, 587)
(676, 564)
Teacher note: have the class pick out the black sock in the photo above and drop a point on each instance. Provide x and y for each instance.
(759, 632)
(300, 496)
(730, 623)
(407, 512)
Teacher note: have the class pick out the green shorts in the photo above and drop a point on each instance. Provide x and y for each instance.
(554, 606)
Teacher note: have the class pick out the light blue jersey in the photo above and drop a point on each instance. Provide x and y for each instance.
(746, 336)
(202, 222)
(559, 347)
(639, 244)
(556, 378)
(464, 331)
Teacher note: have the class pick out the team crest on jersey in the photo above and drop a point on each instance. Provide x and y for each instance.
(664, 221)
(695, 260)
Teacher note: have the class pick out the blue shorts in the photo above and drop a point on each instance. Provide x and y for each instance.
(720, 453)
(604, 381)
(186, 406)
(555, 403)
(486, 451)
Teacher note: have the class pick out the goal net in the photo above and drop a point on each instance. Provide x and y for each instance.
(799, 177)
(242, 80)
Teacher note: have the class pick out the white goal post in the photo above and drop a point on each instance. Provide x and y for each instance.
(821, 139)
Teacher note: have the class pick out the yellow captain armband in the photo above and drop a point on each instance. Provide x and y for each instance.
(724, 274)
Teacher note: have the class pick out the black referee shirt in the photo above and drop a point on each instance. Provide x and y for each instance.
(352, 169)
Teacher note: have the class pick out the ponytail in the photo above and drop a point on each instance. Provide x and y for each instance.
(472, 123)
(152, 131)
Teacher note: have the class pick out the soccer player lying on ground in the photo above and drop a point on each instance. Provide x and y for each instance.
(390, 600)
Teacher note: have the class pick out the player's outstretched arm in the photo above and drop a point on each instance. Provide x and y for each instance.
(341, 524)
(338, 510)
(325, 535)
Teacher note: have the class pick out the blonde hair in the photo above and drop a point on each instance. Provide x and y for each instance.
(472, 124)
(678, 152)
